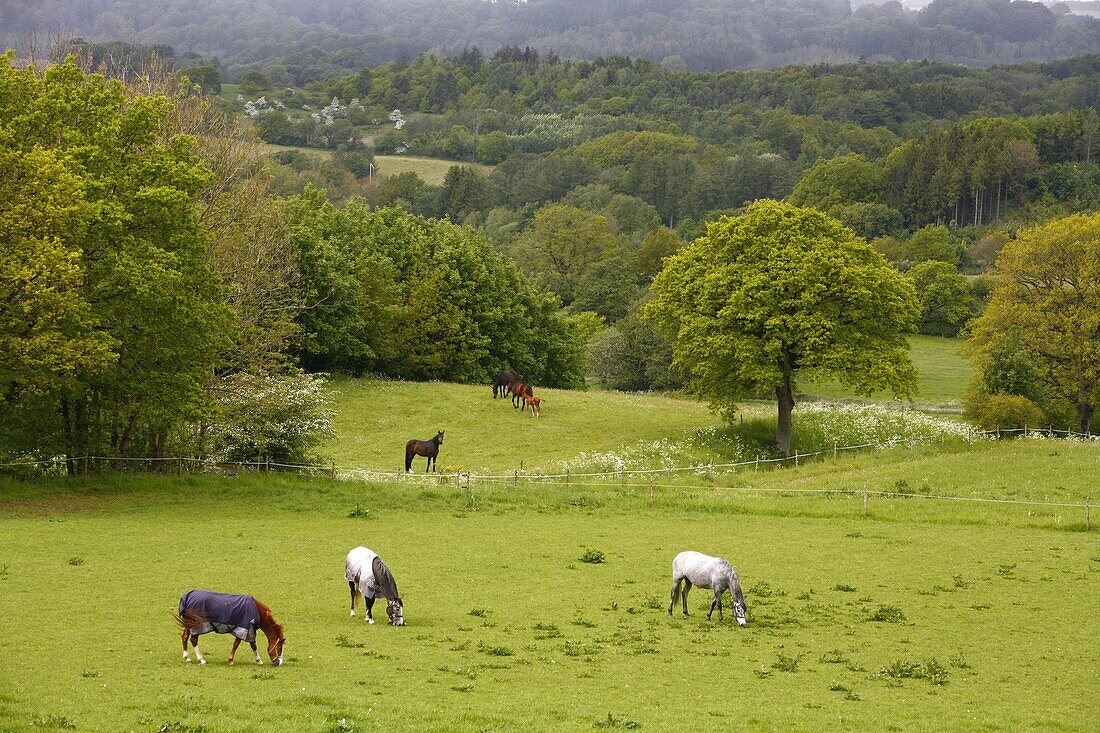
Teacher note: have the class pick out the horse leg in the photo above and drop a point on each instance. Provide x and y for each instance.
(717, 602)
(255, 654)
(351, 584)
(186, 656)
(408, 460)
(195, 644)
(369, 603)
(675, 594)
(233, 651)
(684, 595)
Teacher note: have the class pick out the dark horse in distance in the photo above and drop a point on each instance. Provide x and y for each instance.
(428, 448)
(501, 382)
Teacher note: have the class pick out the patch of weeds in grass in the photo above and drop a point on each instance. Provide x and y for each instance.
(462, 688)
(887, 614)
(981, 607)
(585, 623)
(263, 676)
(593, 557)
(579, 649)
(55, 721)
(613, 606)
(175, 726)
(844, 588)
(494, 651)
(76, 561)
(764, 589)
(346, 643)
(645, 649)
(461, 647)
(4, 571)
(89, 673)
(834, 656)
(854, 534)
(804, 595)
(930, 669)
(547, 631)
(468, 672)
(359, 513)
(786, 663)
(612, 722)
(479, 612)
(960, 581)
(762, 673)
(585, 502)
(958, 661)
(852, 696)
(653, 603)
(837, 687)
(377, 655)
(1005, 571)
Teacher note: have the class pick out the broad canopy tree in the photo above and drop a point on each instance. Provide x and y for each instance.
(1048, 297)
(782, 294)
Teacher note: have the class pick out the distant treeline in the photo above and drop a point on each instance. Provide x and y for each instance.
(331, 35)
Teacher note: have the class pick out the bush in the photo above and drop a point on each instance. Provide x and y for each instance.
(276, 417)
(1009, 411)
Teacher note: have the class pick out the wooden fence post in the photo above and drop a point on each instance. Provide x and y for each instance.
(1088, 515)
(515, 478)
(622, 476)
(865, 501)
(567, 477)
(333, 471)
(179, 467)
(710, 471)
(651, 487)
(834, 450)
(796, 458)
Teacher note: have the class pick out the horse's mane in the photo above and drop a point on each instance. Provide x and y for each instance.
(385, 579)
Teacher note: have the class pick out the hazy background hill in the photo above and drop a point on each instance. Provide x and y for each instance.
(696, 34)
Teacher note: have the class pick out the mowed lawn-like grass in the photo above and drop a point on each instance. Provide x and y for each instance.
(942, 374)
(861, 624)
(430, 170)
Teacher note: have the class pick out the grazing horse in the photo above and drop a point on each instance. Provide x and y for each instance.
(705, 571)
(535, 403)
(428, 448)
(368, 576)
(501, 382)
(203, 611)
(520, 390)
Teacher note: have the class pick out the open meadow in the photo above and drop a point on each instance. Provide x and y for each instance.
(542, 606)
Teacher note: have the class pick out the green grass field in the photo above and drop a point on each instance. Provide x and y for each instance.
(925, 614)
(981, 627)
(431, 170)
(942, 375)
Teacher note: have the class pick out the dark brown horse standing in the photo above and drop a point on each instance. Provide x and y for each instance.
(501, 382)
(203, 611)
(520, 391)
(428, 448)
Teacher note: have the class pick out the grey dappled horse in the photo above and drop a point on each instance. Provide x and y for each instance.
(716, 573)
(368, 575)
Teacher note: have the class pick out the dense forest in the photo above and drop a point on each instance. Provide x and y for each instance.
(330, 35)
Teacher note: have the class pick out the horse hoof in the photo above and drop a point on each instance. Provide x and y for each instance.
(232, 663)
(353, 614)
(260, 662)
(202, 661)
(370, 621)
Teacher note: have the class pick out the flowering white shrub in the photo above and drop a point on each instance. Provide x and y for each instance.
(277, 417)
(818, 425)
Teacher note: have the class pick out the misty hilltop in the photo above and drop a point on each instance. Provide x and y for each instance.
(691, 34)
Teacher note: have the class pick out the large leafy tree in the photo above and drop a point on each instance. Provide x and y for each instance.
(780, 294)
(1048, 297)
(561, 244)
(108, 200)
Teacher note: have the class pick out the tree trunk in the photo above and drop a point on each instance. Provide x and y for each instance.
(785, 396)
(1084, 417)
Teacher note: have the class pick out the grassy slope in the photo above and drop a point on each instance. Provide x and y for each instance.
(558, 644)
(375, 420)
(432, 170)
(943, 374)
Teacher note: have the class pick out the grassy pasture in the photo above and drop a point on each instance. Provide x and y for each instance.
(942, 375)
(431, 170)
(980, 627)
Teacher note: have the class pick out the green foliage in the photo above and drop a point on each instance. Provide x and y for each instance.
(1048, 297)
(945, 298)
(632, 356)
(849, 179)
(932, 243)
(650, 257)
(560, 246)
(465, 191)
(608, 288)
(998, 410)
(282, 418)
(783, 293)
(128, 318)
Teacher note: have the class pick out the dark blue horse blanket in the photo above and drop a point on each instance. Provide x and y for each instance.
(223, 613)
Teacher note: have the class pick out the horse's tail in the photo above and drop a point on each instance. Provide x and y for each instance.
(190, 619)
(408, 459)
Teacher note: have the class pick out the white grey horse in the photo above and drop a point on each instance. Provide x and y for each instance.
(368, 575)
(716, 573)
